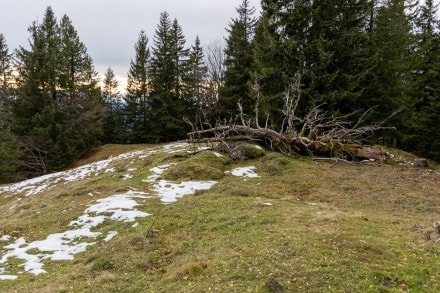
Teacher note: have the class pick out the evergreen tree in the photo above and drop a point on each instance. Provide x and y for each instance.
(9, 151)
(57, 113)
(270, 72)
(426, 93)
(36, 109)
(195, 81)
(8, 147)
(5, 67)
(238, 63)
(391, 80)
(80, 93)
(113, 127)
(325, 44)
(138, 92)
(168, 69)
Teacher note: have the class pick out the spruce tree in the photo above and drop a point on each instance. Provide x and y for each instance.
(325, 44)
(113, 127)
(80, 93)
(195, 80)
(5, 67)
(273, 68)
(391, 80)
(9, 151)
(238, 63)
(426, 141)
(137, 109)
(36, 111)
(168, 69)
(57, 113)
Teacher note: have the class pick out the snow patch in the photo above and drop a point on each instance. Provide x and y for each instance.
(63, 246)
(170, 191)
(175, 147)
(5, 238)
(127, 176)
(110, 235)
(245, 172)
(8, 277)
(218, 155)
(36, 185)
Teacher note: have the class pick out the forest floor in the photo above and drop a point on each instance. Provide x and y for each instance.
(180, 218)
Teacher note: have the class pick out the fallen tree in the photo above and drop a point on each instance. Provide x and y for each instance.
(316, 134)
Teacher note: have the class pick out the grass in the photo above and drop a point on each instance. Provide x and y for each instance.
(331, 227)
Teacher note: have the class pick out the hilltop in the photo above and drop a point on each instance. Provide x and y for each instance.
(185, 218)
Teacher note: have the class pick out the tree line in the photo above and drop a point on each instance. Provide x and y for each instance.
(345, 55)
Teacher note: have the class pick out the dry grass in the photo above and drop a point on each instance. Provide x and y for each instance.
(313, 227)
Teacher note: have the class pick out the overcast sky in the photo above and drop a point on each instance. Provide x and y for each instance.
(110, 28)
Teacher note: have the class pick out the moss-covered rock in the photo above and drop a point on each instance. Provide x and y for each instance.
(242, 150)
(206, 165)
(276, 163)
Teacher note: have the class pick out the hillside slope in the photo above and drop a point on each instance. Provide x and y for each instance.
(182, 218)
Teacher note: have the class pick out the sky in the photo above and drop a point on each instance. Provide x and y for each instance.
(110, 28)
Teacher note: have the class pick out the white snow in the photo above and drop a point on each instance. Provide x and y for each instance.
(175, 147)
(64, 245)
(36, 185)
(127, 176)
(218, 155)
(170, 191)
(8, 277)
(245, 172)
(118, 207)
(5, 238)
(160, 169)
(110, 235)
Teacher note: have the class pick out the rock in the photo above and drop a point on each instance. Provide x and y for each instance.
(366, 153)
(420, 163)
(274, 285)
(242, 150)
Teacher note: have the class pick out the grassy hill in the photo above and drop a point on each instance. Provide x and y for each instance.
(118, 222)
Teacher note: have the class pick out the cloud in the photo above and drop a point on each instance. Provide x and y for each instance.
(110, 28)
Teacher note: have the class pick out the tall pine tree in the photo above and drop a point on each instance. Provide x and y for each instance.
(58, 112)
(391, 80)
(323, 43)
(114, 124)
(195, 80)
(8, 146)
(238, 63)
(137, 109)
(167, 71)
(426, 141)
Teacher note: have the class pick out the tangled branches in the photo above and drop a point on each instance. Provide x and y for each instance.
(314, 134)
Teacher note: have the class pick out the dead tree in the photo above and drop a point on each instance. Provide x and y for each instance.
(315, 134)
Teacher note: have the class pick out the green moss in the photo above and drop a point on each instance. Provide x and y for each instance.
(192, 171)
(276, 164)
(203, 166)
(245, 151)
